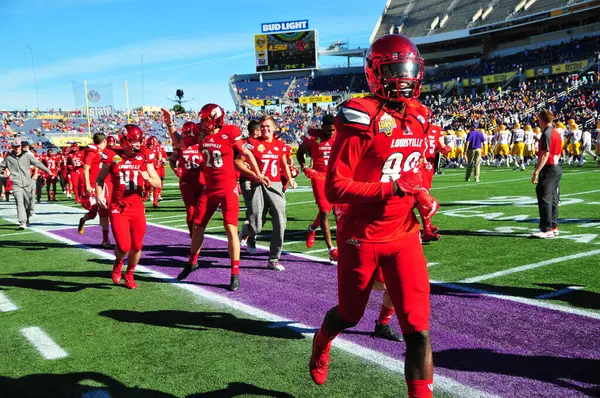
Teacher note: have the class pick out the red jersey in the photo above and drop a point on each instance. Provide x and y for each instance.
(376, 143)
(218, 158)
(432, 142)
(92, 157)
(52, 162)
(320, 148)
(190, 163)
(269, 156)
(75, 161)
(126, 175)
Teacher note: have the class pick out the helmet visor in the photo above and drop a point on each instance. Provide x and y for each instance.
(400, 70)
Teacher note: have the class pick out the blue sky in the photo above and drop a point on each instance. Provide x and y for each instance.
(193, 45)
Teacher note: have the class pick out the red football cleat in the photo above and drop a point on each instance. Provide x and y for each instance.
(116, 272)
(319, 362)
(429, 236)
(310, 237)
(333, 255)
(435, 229)
(129, 281)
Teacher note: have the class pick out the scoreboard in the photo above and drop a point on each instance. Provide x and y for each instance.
(277, 52)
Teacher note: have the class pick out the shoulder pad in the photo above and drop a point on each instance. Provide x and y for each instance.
(356, 114)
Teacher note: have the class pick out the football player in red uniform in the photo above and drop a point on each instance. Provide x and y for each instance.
(65, 175)
(129, 168)
(91, 167)
(434, 143)
(191, 179)
(159, 166)
(217, 148)
(75, 166)
(375, 168)
(52, 162)
(317, 143)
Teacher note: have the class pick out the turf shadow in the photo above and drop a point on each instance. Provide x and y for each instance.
(237, 389)
(50, 285)
(70, 385)
(202, 321)
(571, 373)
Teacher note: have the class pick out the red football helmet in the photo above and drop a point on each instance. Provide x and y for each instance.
(394, 68)
(130, 136)
(188, 132)
(87, 201)
(212, 116)
(111, 141)
(74, 147)
(152, 141)
(65, 151)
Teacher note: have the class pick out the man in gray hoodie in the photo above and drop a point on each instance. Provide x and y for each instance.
(19, 164)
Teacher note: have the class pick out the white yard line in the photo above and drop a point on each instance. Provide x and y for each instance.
(163, 217)
(529, 266)
(316, 251)
(6, 305)
(16, 233)
(43, 343)
(559, 292)
(470, 185)
(579, 193)
(180, 219)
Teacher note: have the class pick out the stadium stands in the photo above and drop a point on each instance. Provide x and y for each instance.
(272, 88)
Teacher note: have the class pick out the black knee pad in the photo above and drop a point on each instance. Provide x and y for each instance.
(334, 322)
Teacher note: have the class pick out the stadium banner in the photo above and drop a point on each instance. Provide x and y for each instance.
(287, 51)
(315, 98)
(265, 102)
(363, 95)
(473, 81)
(425, 88)
(286, 26)
(49, 116)
(567, 68)
(541, 71)
(100, 97)
(60, 141)
(500, 77)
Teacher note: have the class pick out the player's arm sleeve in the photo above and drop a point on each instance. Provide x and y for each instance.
(39, 165)
(351, 144)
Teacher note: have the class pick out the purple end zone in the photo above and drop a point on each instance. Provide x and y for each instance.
(501, 347)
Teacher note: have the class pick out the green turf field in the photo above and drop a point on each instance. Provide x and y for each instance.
(163, 341)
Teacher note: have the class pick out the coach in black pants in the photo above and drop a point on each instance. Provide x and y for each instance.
(547, 176)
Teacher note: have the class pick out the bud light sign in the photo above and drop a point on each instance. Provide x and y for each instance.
(272, 27)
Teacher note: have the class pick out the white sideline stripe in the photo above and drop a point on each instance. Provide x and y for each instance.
(432, 264)
(520, 300)
(16, 233)
(529, 266)
(383, 360)
(465, 184)
(6, 305)
(294, 242)
(300, 203)
(43, 343)
(559, 292)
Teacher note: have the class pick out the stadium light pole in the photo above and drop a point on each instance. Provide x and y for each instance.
(37, 91)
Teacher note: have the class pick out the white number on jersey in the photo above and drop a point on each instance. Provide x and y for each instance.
(396, 164)
(273, 167)
(191, 161)
(129, 179)
(217, 158)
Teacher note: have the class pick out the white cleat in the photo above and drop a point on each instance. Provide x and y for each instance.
(277, 267)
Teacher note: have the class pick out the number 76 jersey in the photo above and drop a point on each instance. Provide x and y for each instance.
(375, 144)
